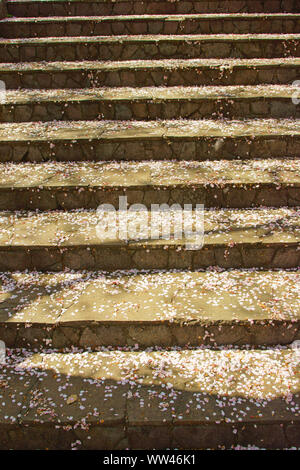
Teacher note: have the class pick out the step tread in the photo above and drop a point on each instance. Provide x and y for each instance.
(106, 1)
(178, 93)
(136, 130)
(153, 38)
(165, 64)
(237, 297)
(144, 174)
(134, 388)
(86, 1)
(223, 227)
(81, 1)
(167, 17)
(102, 1)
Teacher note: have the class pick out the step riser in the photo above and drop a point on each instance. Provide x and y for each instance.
(119, 27)
(140, 110)
(230, 196)
(165, 49)
(145, 77)
(155, 7)
(161, 436)
(167, 334)
(163, 149)
(109, 258)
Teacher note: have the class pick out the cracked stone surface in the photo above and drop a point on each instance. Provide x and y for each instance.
(82, 240)
(173, 129)
(91, 309)
(229, 102)
(196, 398)
(77, 185)
(150, 46)
(158, 72)
(239, 23)
(128, 7)
(149, 140)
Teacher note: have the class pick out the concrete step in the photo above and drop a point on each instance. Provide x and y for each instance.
(233, 238)
(183, 399)
(150, 47)
(239, 23)
(149, 140)
(229, 102)
(151, 309)
(235, 184)
(131, 7)
(141, 73)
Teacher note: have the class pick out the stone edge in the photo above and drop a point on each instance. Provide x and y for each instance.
(3, 10)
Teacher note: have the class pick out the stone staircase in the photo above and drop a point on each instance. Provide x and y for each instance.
(145, 344)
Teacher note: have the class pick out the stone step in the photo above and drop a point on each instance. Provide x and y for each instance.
(235, 184)
(183, 399)
(229, 102)
(233, 238)
(151, 309)
(150, 24)
(151, 47)
(149, 140)
(141, 73)
(134, 7)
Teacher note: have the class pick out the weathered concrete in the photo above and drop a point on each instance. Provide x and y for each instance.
(94, 309)
(71, 185)
(152, 140)
(148, 103)
(141, 73)
(241, 23)
(177, 399)
(78, 240)
(129, 7)
(150, 47)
